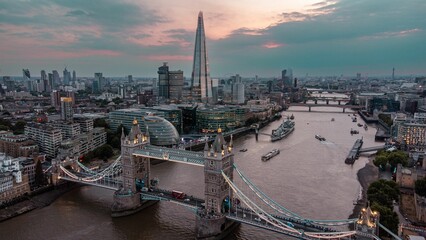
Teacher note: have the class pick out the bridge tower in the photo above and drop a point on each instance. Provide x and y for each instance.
(367, 224)
(135, 170)
(211, 222)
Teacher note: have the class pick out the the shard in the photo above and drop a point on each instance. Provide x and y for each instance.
(201, 86)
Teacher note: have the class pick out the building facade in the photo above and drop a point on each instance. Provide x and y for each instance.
(17, 145)
(47, 138)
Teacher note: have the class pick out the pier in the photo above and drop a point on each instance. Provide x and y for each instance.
(354, 153)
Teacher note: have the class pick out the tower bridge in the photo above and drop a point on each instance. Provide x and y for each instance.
(225, 204)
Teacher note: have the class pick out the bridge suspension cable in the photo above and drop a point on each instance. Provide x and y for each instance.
(259, 211)
(280, 225)
(96, 176)
(281, 209)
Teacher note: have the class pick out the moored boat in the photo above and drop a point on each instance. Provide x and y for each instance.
(283, 130)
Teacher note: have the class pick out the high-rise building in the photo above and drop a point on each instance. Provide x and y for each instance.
(50, 79)
(163, 81)
(97, 86)
(71, 94)
(130, 78)
(170, 83)
(201, 87)
(66, 109)
(74, 77)
(56, 99)
(287, 78)
(56, 78)
(44, 81)
(43, 75)
(67, 77)
(27, 79)
(238, 96)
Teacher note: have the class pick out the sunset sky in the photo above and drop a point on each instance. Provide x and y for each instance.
(248, 37)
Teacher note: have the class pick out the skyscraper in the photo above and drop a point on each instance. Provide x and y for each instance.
(170, 83)
(201, 87)
(56, 79)
(67, 77)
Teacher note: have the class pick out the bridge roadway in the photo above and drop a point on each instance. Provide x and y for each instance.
(243, 215)
(324, 105)
(171, 154)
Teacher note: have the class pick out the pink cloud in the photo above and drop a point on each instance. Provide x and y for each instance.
(272, 45)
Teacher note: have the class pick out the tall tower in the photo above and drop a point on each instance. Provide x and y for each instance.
(66, 109)
(201, 86)
(211, 221)
(135, 169)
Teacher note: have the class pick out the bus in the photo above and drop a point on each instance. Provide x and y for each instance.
(178, 195)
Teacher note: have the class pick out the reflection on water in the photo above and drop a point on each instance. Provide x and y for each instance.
(309, 177)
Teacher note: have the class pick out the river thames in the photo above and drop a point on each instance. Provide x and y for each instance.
(308, 177)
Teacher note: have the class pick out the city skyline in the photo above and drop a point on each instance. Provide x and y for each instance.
(135, 37)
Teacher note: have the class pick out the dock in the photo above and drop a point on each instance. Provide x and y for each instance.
(354, 153)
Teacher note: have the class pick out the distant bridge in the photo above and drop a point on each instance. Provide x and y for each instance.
(311, 105)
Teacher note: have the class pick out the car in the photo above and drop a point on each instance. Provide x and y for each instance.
(257, 219)
(161, 194)
(391, 149)
(187, 200)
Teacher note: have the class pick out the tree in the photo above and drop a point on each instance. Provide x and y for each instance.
(383, 192)
(420, 187)
(116, 142)
(388, 218)
(100, 122)
(380, 161)
(40, 179)
(104, 152)
(398, 157)
(19, 127)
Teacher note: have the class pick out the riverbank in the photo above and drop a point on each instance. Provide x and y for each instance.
(34, 202)
(366, 175)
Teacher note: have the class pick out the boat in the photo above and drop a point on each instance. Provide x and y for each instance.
(292, 117)
(283, 130)
(270, 155)
(319, 137)
(359, 124)
(332, 119)
(354, 119)
(243, 150)
(365, 127)
(353, 131)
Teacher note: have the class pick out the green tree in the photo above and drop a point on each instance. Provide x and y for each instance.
(383, 192)
(420, 187)
(100, 122)
(19, 127)
(117, 100)
(388, 218)
(380, 161)
(116, 142)
(398, 157)
(40, 179)
(104, 152)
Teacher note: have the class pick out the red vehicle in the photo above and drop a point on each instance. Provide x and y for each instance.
(178, 195)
